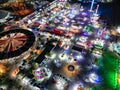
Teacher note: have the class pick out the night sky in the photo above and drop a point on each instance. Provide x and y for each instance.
(111, 11)
(115, 14)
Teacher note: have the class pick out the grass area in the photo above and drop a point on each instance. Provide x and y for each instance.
(109, 70)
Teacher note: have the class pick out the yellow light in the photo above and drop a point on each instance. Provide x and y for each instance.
(3, 69)
(14, 73)
(118, 80)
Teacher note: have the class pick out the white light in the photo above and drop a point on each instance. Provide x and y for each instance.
(93, 78)
(3, 86)
(53, 56)
(25, 80)
(118, 29)
(99, 42)
(61, 83)
(35, 88)
(83, 39)
(79, 57)
(75, 87)
(85, 19)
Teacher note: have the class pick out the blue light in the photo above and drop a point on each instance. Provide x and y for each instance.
(107, 36)
(94, 78)
(85, 34)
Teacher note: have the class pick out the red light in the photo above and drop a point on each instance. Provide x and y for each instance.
(57, 31)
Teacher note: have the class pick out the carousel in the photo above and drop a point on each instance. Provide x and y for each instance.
(15, 42)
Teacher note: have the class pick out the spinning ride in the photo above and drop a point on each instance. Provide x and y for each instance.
(15, 42)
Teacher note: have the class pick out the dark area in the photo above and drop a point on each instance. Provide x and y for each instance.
(115, 14)
(71, 68)
(41, 57)
(3, 1)
(78, 48)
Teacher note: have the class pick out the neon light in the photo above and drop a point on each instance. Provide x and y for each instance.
(92, 5)
(97, 9)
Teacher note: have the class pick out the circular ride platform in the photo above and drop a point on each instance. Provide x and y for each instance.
(14, 42)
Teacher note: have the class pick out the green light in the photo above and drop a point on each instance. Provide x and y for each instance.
(88, 28)
(109, 70)
(98, 46)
